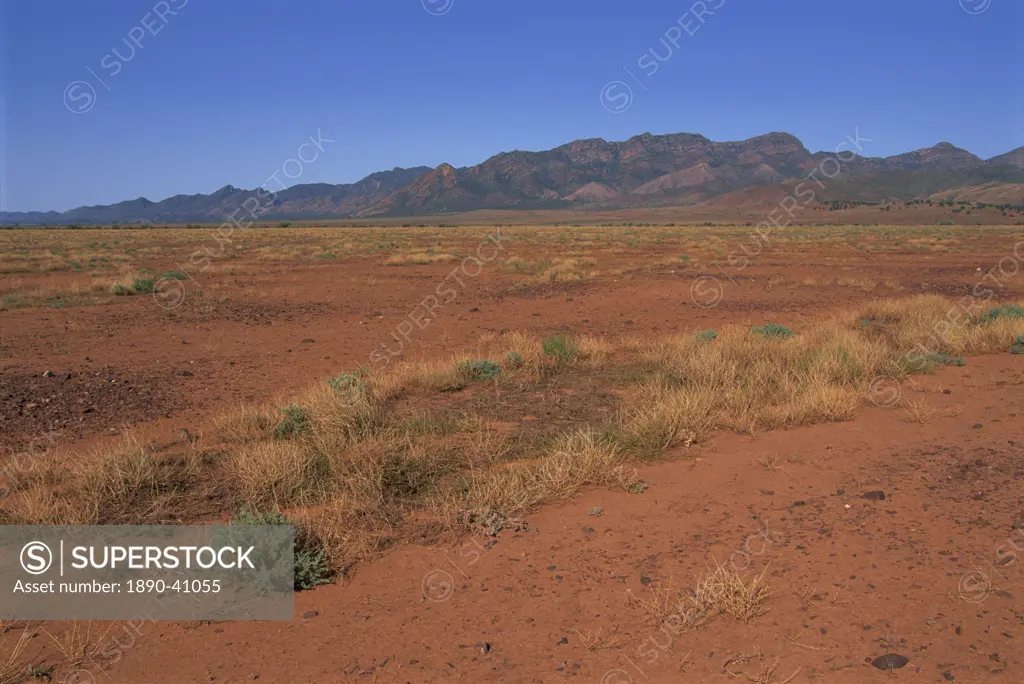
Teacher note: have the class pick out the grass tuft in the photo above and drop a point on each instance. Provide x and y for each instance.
(774, 331)
(480, 369)
(561, 347)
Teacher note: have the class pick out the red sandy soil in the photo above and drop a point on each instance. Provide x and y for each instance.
(928, 573)
(909, 574)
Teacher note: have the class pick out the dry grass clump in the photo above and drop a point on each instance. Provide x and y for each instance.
(719, 591)
(575, 461)
(724, 591)
(569, 270)
(747, 382)
(349, 531)
(117, 485)
(277, 474)
(930, 324)
(420, 259)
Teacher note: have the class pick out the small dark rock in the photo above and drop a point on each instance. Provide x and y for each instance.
(877, 495)
(484, 647)
(890, 661)
(645, 580)
(563, 640)
(474, 310)
(799, 503)
(588, 530)
(309, 614)
(308, 340)
(948, 677)
(185, 374)
(976, 426)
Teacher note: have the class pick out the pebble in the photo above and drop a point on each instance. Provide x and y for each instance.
(890, 661)
(874, 496)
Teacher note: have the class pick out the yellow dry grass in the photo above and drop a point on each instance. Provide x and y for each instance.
(419, 259)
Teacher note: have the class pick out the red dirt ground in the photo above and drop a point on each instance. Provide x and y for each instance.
(930, 572)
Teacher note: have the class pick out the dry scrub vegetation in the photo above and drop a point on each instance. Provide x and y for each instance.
(420, 449)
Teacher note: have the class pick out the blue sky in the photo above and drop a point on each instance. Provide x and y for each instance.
(226, 90)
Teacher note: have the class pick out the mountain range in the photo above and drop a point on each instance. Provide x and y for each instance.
(646, 170)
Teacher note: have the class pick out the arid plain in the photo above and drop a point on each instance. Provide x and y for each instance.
(613, 451)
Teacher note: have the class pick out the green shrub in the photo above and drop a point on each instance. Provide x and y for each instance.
(311, 566)
(774, 331)
(1018, 346)
(998, 312)
(143, 285)
(561, 347)
(914, 362)
(943, 359)
(175, 275)
(293, 423)
(480, 369)
(120, 290)
(705, 335)
(513, 359)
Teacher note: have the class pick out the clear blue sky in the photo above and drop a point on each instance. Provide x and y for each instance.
(227, 89)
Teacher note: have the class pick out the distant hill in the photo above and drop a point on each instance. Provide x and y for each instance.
(646, 170)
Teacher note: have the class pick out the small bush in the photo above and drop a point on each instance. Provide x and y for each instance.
(479, 370)
(774, 331)
(120, 290)
(912, 362)
(561, 347)
(997, 312)
(311, 566)
(143, 285)
(1018, 346)
(943, 359)
(514, 359)
(175, 275)
(705, 335)
(293, 423)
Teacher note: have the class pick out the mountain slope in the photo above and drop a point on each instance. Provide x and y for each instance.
(309, 200)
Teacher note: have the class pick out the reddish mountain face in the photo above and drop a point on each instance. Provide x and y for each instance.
(646, 170)
(623, 169)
